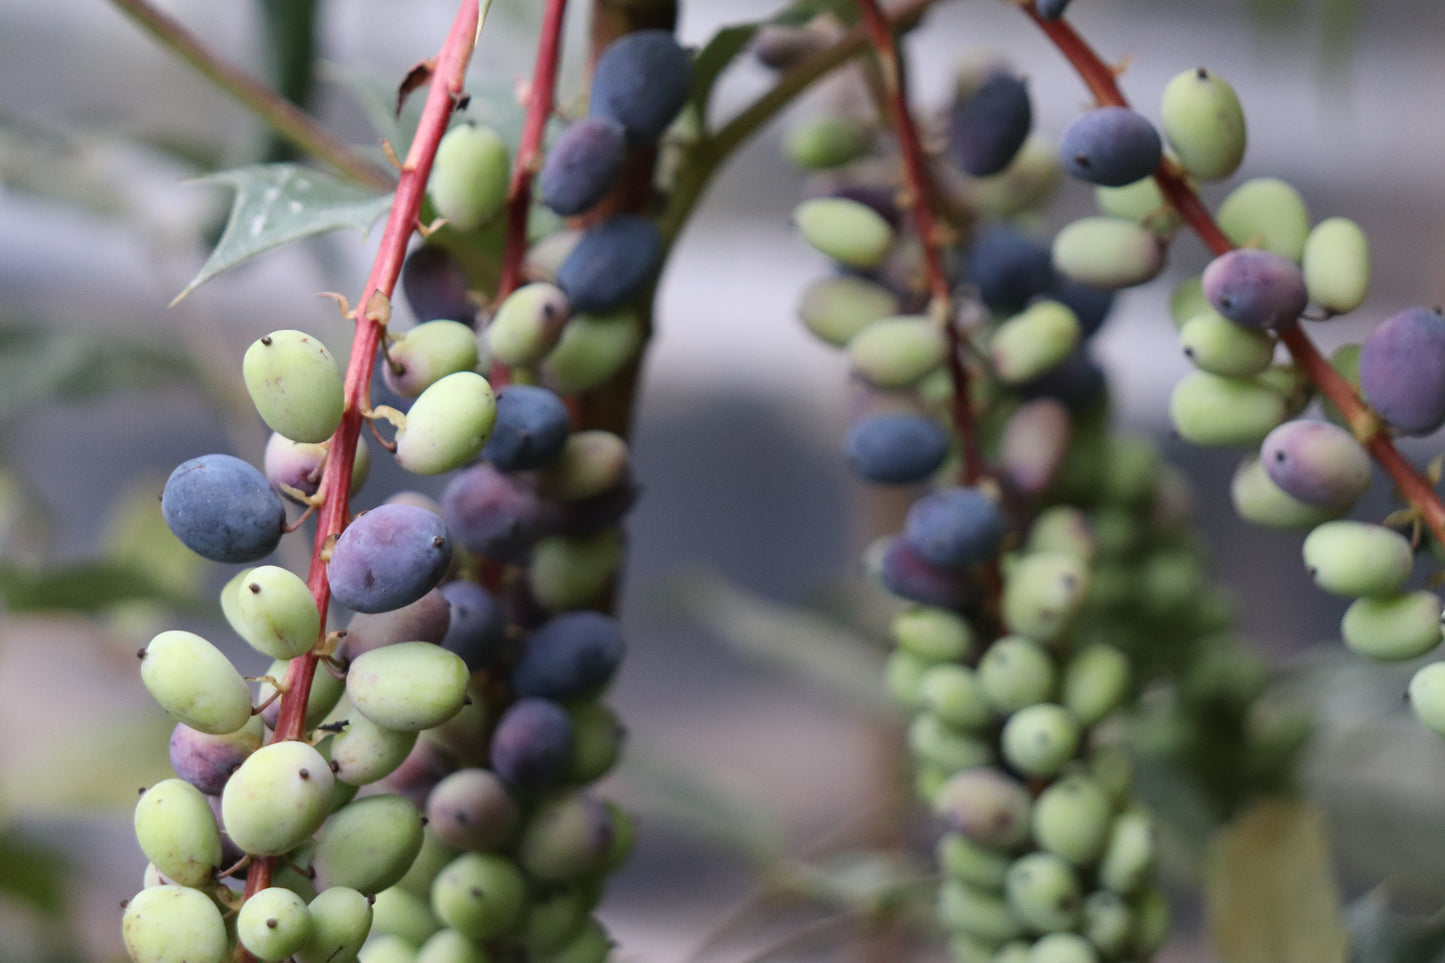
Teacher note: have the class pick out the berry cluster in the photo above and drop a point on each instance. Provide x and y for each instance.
(431, 805)
(1048, 564)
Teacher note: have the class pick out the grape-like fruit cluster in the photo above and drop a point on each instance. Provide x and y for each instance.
(1042, 596)
(466, 693)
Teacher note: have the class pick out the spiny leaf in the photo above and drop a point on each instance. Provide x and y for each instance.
(279, 203)
(1271, 890)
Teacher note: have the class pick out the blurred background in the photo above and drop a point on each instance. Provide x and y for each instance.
(105, 390)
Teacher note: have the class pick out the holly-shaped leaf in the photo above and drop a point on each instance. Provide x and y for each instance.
(279, 203)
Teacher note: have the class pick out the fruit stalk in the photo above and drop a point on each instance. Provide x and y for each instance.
(917, 195)
(540, 98)
(1413, 485)
(371, 315)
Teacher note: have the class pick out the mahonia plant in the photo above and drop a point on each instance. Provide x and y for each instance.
(410, 784)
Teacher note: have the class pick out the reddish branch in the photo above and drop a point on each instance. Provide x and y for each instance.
(1413, 485)
(917, 194)
(540, 98)
(372, 313)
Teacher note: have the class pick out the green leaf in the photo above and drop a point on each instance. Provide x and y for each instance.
(83, 587)
(810, 647)
(39, 365)
(1270, 888)
(32, 874)
(728, 43)
(279, 203)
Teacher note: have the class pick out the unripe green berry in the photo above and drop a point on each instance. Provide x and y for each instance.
(970, 862)
(1108, 252)
(1096, 682)
(1266, 212)
(976, 912)
(593, 349)
(274, 923)
(279, 796)
(295, 385)
(845, 230)
(1395, 627)
(481, 895)
(341, 920)
(1042, 594)
(428, 353)
(1014, 673)
(1044, 893)
(1357, 558)
(408, 686)
(1204, 123)
(368, 844)
(276, 613)
(1128, 859)
(448, 425)
(954, 694)
(1038, 740)
(934, 741)
(1033, 342)
(1073, 818)
(1337, 265)
(897, 352)
(174, 924)
(195, 682)
(177, 832)
(470, 176)
(528, 325)
(937, 635)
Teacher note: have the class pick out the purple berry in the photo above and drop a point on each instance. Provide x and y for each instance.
(896, 449)
(1111, 147)
(955, 527)
(1256, 288)
(987, 127)
(1316, 462)
(1402, 370)
(389, 557)
(583, 165)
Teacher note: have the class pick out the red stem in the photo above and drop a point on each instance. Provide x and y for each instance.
(446, 88)
(540, 99)
(1364, 423)
(917, 197)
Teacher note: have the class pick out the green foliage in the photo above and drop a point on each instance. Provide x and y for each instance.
(275, 204)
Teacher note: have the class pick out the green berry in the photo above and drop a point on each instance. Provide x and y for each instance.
(1427, 696)
(1395, 627)
(936, 635)
(1217, 345)
(933, 741)
(845, 230)
(528, 325)
(1033, 342)
(274, 923)
(897, 352)
(174, 924)
(368, 844)
(1204, 124)
(1042, 594)
(276, 613)
(954, 694)
(1096, 682)
(1038, 740)
(408, 686)
(295, 385)
(1213, 410)
(1128, 859)
(1266, 212)
(470, 176)
(448, 425)
(1358, 558)
(836, 308)
(1337, 265)
(1044, 893)
(279, 796)
(1014, 673)
(480, 895)
(976, 912)
(971, 862)
(177, 832)
(341, 919)
(195, 682)
(1108, 252)
(593, 349)
(1072, 818)
(428, 353)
